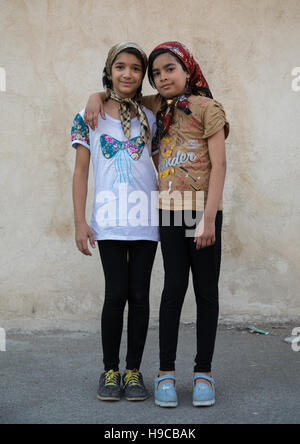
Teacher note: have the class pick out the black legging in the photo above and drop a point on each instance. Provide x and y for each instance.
(127, 268)
(180, 255)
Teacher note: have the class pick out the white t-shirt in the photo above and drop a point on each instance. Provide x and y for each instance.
(125, 199)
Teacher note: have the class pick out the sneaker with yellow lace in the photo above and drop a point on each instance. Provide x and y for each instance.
(110, 386)
(133, 385)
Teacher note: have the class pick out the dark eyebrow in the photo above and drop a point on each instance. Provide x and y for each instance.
(134, 64)
(164, 67)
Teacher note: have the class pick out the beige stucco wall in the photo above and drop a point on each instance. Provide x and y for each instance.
(53, 52)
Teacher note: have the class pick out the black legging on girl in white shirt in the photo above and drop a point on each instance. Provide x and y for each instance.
(127, 268)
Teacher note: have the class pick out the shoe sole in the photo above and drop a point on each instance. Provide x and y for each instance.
(106, 398)
(166, 404)
(137, 399)
(203, 403)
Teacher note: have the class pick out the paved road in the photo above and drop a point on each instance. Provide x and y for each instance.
(52, 377)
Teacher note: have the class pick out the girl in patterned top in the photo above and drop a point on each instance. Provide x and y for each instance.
(120, 150)
(189, 148)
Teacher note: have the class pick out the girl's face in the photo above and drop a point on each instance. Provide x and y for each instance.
(169, 77)
(127, 75)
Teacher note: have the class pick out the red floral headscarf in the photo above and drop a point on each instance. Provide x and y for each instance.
(197, 79)
(197, 85)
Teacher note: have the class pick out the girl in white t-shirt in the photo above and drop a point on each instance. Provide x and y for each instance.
(124, 218)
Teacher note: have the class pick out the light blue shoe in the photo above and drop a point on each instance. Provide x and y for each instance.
(204, 396)
(166, 396)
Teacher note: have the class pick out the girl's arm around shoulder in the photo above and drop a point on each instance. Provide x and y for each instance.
(153, 102)
(94, 107)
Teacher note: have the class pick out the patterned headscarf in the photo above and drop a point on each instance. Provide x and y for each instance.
(125, 113)
(197, 85)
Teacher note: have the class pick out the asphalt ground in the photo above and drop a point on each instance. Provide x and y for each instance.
(51, 377)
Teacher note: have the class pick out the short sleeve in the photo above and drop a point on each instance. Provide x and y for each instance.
(214, 119)
(80, 134)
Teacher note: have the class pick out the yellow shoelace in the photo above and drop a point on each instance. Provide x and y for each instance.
(132, 377)
(111, 377)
